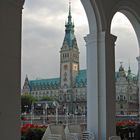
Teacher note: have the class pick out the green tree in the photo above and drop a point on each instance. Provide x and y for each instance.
(26, 102)
(46, 98)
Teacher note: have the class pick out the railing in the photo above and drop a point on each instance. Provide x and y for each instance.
(54, 137)
(88, 136)
(42, 119)
(127, 133)
(73, 136)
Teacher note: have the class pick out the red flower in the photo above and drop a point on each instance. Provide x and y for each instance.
(125, 123)
(26, 127)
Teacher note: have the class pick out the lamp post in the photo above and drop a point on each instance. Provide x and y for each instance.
(45, 113)
(26, 108)
(71, 101)
(32, 113)
(56, 111)
(64, 109)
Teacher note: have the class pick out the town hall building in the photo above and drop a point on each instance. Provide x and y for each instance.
(70, 88)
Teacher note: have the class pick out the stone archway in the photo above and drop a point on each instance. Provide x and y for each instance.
(130, 12)
(101, 62)
(100, 117)
(101, 65)
(129, 9)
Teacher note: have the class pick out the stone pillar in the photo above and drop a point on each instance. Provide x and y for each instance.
(107, 86)
(92, 84)
(10, 61)
(138, 59)
(101, 85)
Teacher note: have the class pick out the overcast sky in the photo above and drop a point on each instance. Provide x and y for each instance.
(43, 33)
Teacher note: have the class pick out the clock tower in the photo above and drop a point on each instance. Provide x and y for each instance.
(69, 55)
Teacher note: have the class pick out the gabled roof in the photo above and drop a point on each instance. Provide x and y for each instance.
(81, 79)
(53, 83)
(45, 83)
(82, 76)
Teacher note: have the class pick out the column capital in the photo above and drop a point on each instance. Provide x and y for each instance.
(138, 59)
(112, 38)
(95, 38)
(90, 38)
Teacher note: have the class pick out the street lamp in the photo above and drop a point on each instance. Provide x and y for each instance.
(26, 108)
(32, 113)
(45, 113)
(64, 109)
(56, 111)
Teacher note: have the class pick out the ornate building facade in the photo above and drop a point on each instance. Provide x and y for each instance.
(70, 88)
(126, 92)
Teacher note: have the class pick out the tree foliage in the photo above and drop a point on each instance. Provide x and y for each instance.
(46, 98)
(26, 102)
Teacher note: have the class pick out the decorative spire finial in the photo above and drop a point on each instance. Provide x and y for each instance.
(129, 68)
(121, 63)
(26, 78)
(69, 16)
(121, 67)
(69, 7)
(129, 63)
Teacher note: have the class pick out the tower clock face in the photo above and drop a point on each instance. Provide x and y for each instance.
(75, 67)
(65, 67)
(65, 72)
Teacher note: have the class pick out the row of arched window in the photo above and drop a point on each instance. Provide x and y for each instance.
(123, 98)
(47, 93)
(43, 87)
(65, 55)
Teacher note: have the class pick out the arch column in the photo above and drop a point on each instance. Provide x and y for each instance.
(138, 59)
(92, 83)
(109, 85)
(101, 85)
(10, 70)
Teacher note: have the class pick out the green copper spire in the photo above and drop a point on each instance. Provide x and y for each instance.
(129, 70)
(129, 75)
(69, 31)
